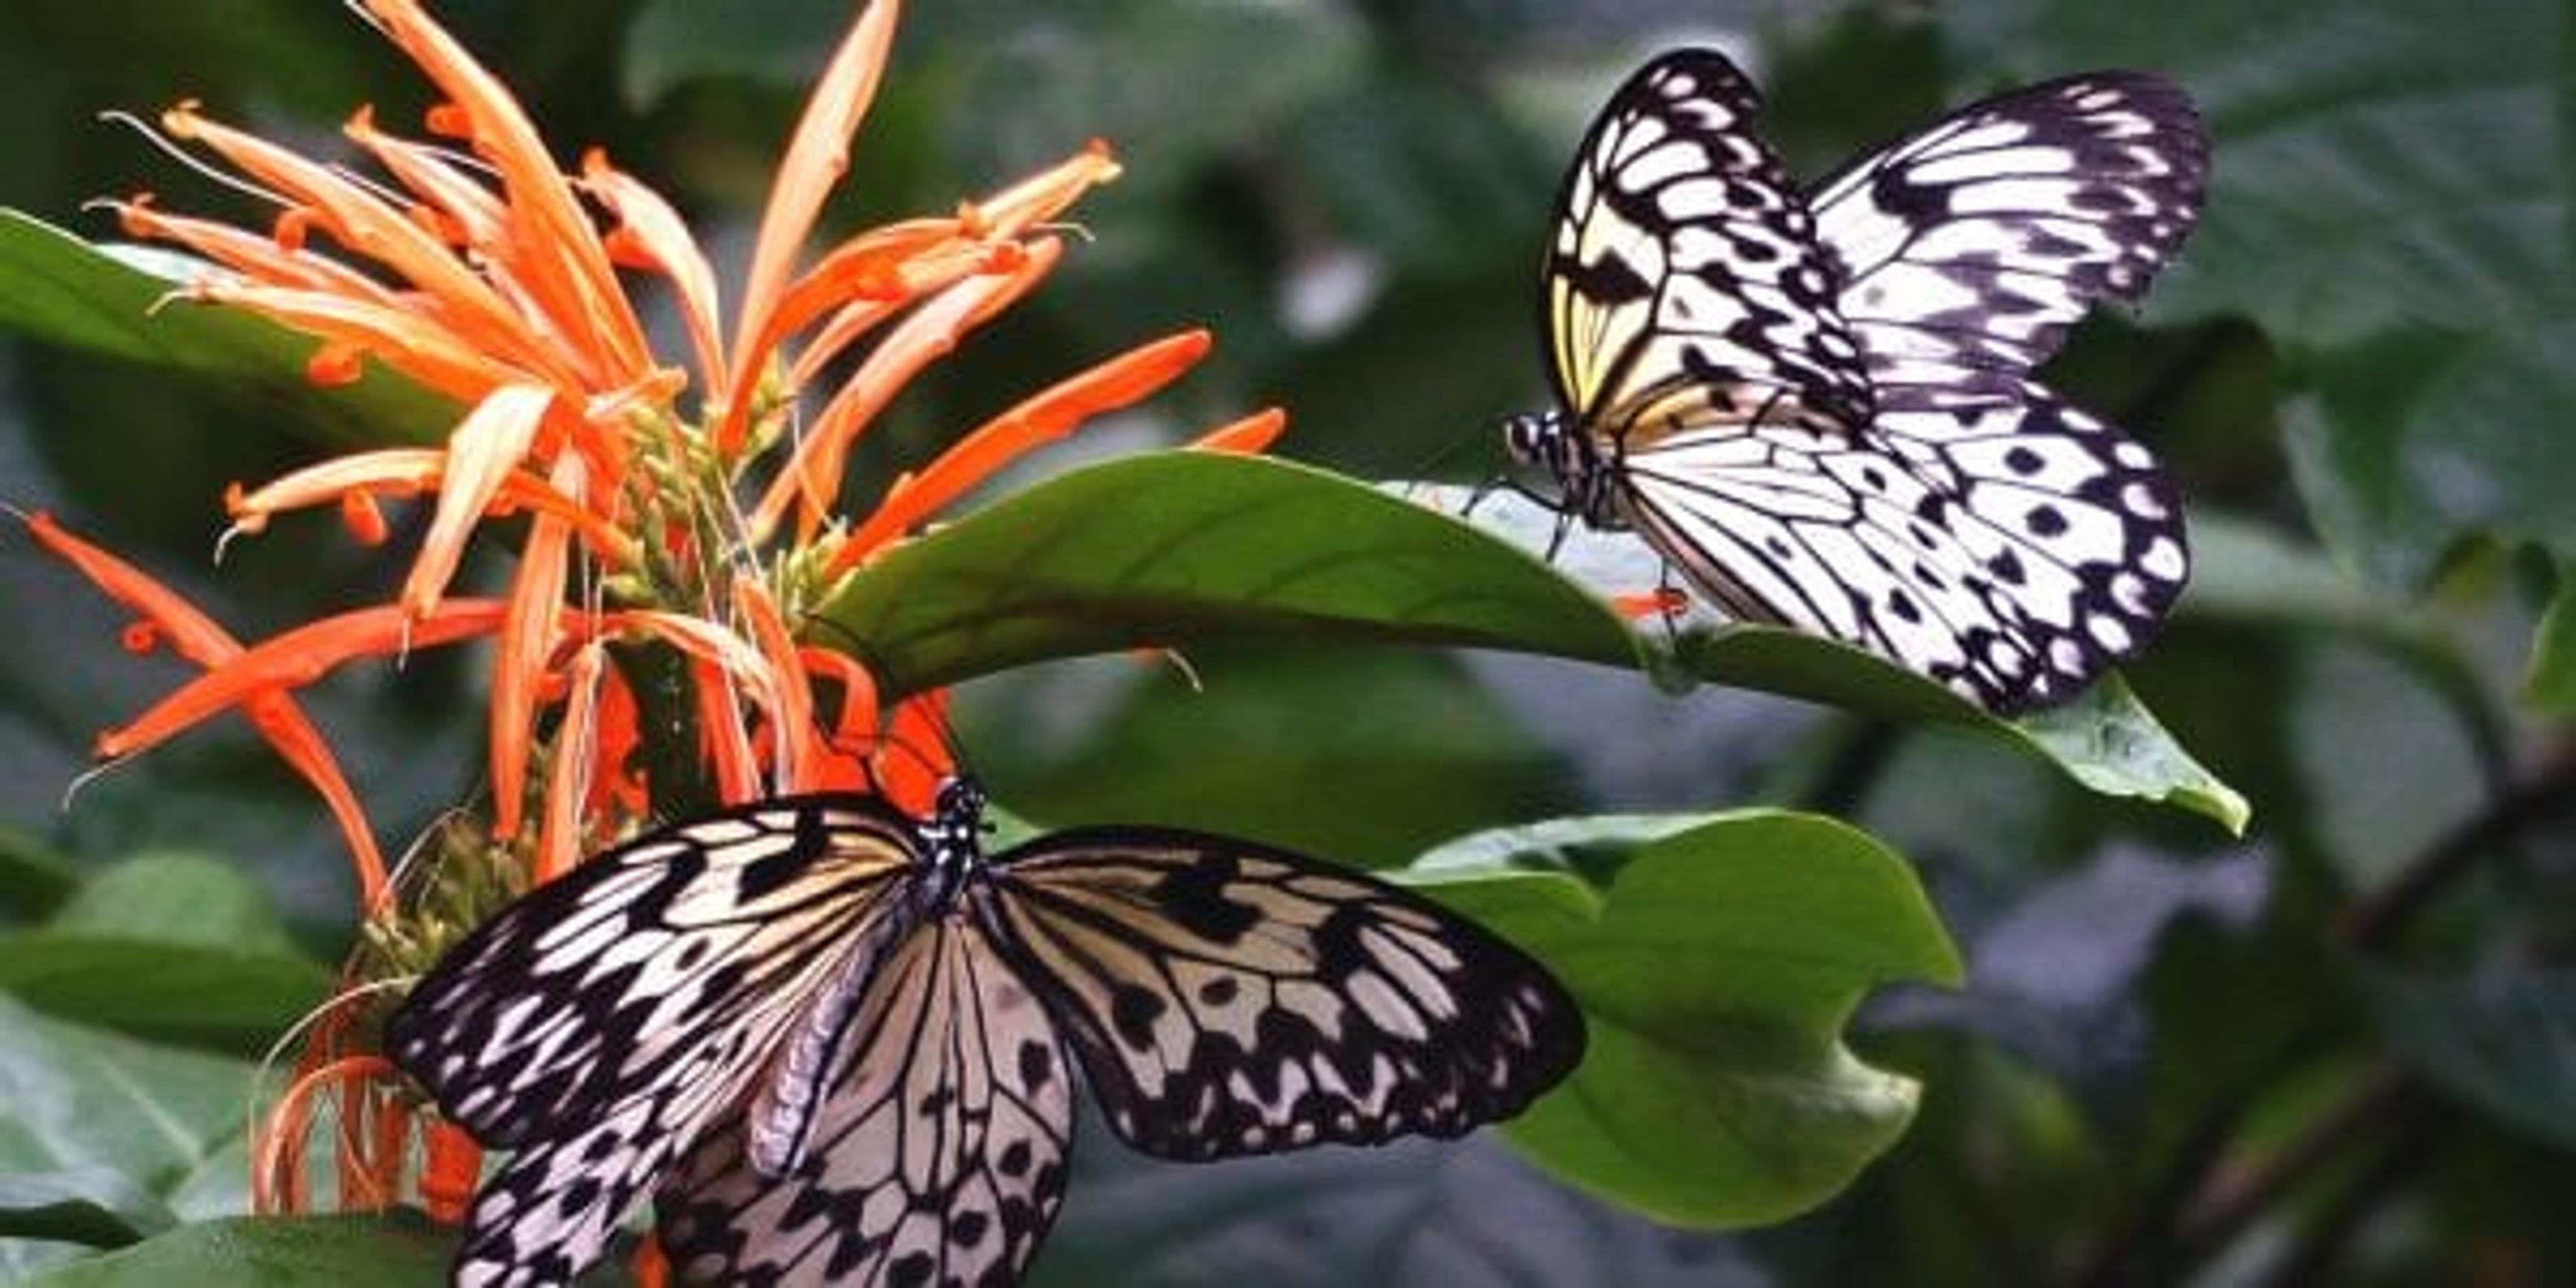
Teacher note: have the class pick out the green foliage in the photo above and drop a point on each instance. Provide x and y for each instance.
(107, 1139)
(1186, 549)
(175, 947)
(397, 1249)
(57, 288)
(1717, 962)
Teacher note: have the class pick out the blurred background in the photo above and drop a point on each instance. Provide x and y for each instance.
(2339, 1049)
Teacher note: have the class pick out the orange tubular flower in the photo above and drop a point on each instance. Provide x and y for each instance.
(676, 529)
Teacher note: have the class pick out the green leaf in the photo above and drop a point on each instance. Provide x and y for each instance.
(2103, 737)
(110, 1118)
(2505, 1045)
(91, 1206)
(2549, 679)
(2111, 743)
(1181, 549)
(1410, 747)
(34, 879)
(59, 289)
(1185, 549)
(174, 947)
(1716, 971)
(273, 1252)
(174, 899)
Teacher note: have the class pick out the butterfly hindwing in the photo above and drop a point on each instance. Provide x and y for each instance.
(1684, 282)
(1969, 247)
(937, 1154)
(1226, 998)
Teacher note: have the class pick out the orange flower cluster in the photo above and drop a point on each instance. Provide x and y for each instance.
(691, 507)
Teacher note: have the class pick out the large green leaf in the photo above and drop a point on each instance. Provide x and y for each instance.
(101, 1132)
(1187, 548)
(394, 1249)
(1717, 961)
(91, 1206)
(58, 288)
(1409, 746)
(2550, 680)
(1183, 549)
(34, 879)
(175, 947)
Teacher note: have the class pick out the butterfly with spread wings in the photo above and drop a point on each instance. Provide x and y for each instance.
(830, 1041)
(1821, 407)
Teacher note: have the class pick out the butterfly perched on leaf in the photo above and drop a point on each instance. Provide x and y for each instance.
(832, 1043)
(1820, 405)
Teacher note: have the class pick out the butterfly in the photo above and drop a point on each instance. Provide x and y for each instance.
(834, 1043)
(1820, 407)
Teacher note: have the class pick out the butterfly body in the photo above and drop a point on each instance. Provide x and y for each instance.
(1820, 406)
(835, 1044)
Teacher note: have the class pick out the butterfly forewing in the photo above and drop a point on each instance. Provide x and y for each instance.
(937, 1152)
(1230, 999)
(1684, 282)
(597, 1025)
(1967, 248)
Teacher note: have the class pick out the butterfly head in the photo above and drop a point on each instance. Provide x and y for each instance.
(954, 832)
(1535, 438)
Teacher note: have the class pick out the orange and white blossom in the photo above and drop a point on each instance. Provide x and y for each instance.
(689, 506)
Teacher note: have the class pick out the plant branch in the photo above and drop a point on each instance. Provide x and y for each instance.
(2373, 921)
(2231, 1202)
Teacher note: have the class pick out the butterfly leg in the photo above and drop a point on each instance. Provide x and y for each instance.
(1477, 494)
(1556, 538)
(1674, 600)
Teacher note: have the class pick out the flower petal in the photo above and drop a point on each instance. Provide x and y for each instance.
(814, 474)
(801, 748)
(406, 338)
(249, 254)
(555, 250)
(559, 837)
(297, 658)
(1046, 194)
(482, 453)
(1249, 436)
(916, 758)
(191, 633)
(527, 648)
(371, 226)
(1051, 414)
(817, 155)
(663, 237)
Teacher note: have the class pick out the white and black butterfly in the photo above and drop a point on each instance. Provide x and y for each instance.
(1821, 406)
(829, 1041)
